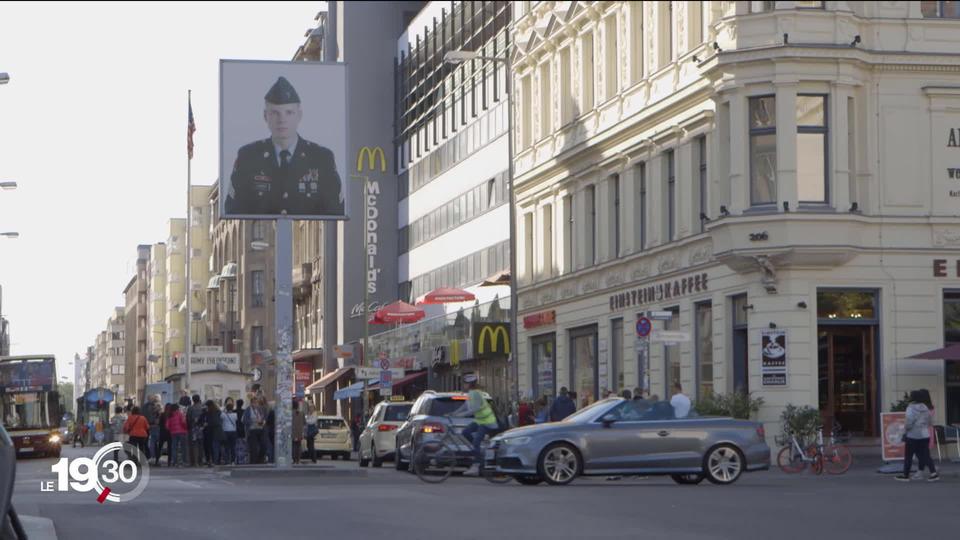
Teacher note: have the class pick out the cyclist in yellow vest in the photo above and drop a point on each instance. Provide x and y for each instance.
(484, 422)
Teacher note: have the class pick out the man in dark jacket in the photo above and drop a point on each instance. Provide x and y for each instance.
(196, 419)
(563, 406)
(152, 411)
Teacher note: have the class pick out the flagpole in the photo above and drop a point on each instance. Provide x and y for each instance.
(188, 295)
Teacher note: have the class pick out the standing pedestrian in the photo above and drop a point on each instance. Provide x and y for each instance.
(228, 419)
(680, 402)
(138, 429)
(151, 410)
(298, 428)
(212, 434)
(563, 406)
(254, 420)
(164, 435)
(116, 425)
(626, 394)
(271, 429)
(917, 436)
(525, 414)
(543, 411)
(312, 430)
(355, 431)
(177, 427)
(196, 418)
(241, 455)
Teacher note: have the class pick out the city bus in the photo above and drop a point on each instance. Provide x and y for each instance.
(30, 404)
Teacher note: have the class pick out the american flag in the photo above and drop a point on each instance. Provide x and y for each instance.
(191, 127)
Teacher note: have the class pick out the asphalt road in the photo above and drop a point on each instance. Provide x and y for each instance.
(344, 502)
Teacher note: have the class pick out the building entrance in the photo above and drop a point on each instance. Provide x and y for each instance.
(847, 378)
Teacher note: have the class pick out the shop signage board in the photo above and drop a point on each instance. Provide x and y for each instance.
(544, 318)
(374, 373)
(892, 428)
(670, 336)
(773, 357)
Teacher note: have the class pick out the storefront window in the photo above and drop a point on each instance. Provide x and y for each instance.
(616, 355)
(583, 365)
(544, 365)
(855, 305)
(763, 150)
(739, 329)
(704, 322)
(951, 335)
(671, 353)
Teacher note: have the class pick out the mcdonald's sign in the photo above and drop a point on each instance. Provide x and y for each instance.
(491, 339)
(372, 155)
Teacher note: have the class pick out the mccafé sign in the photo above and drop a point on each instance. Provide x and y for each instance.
(659, 292)
(491, 339)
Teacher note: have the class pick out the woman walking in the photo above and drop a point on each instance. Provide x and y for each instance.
(138, 429)
(917, 436)
(177, 426)
(311, 429)
(229, 420)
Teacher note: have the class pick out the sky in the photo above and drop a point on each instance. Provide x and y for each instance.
(93, 129)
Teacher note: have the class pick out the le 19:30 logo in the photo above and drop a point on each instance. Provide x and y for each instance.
(120, 480)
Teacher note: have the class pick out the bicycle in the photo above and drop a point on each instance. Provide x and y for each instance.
(435, 460)
(834, 458)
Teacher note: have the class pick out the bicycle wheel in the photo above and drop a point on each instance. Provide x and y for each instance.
(790, 461)
(433, 462)
(817, 465)
(837, 459)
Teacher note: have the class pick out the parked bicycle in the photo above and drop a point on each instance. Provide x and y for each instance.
(833, 457)
(435, 461)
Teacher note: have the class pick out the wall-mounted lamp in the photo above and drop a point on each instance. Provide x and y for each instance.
(786, 38)
(802, 305)
(723, 211)
(694, 58)
(856, 39)
(773, 325)
(748, 306)
(786, 206)
(854, 207)
(717, 47)
(704, 217)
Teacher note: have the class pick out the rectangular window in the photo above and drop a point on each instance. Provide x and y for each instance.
(528, 246)
(702, 189)
(816, 4)
(586, 72)
(611, 58)
(760, 7)
(566, 87)
(583, 364)
(695, 15)
(615, 224)
(491, 193)
(256, 338)
(546, 263)
(741, 379)
(763, 150)
(546, 101)
(256, 288)
(617, 382)
(636, 42)
(704, 351)
(812, 148)
(526, 112)
(590, 196)
(544, 365)
(257, 230)
(671, 353)
(641, 219)
(568, 234)
(671, 213)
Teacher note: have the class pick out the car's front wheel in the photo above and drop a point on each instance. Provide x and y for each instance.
(559, 464)
(723, 464)
(687, 479)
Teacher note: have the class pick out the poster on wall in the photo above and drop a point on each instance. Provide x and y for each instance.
(773, 357)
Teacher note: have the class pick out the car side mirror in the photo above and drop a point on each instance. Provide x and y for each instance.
(608, 419)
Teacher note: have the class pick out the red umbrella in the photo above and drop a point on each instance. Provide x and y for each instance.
(448, 295)
(950, 352)
(398, 312)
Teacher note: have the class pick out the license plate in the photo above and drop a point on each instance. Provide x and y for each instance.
(26, 449)
(328, 435)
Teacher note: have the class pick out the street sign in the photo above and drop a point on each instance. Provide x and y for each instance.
(660, 315)
(670, 336)
(257, 374)
(643, 327)
(384, 363)
(374, 373)
(386, 383)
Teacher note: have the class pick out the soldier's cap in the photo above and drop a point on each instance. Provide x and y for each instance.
(282, 93)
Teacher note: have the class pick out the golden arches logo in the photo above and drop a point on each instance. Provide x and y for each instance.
(492, 334)
(372, 156)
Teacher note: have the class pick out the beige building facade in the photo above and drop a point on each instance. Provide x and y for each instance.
(778, 176)
(157, 315)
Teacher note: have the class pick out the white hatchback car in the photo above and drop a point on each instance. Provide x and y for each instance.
(333, 437)
(378, 439)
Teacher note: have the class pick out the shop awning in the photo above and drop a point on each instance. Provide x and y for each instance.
(328, 379)
(410, 377)
(355, 390)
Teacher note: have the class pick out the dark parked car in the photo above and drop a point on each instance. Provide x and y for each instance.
(617, 436)
(426, 422)
(10, 526)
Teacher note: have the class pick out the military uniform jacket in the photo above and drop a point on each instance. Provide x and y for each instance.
(309, 185)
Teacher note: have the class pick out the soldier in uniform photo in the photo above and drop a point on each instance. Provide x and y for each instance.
(285, 173)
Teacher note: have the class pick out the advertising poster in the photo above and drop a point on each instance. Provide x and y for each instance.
(892, 428)
(303, 377)
(29, 376)
(773, 357)
(283, 140)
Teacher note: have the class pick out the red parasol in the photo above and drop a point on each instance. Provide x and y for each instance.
(398, 312)
(950, 352)
(448, 295)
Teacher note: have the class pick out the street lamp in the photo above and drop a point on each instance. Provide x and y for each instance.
(7, 185)
(457, 57)
(10, 234)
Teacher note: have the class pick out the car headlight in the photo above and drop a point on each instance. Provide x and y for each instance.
(55, 438)
(514, 441)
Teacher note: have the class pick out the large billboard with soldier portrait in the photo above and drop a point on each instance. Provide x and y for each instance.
(283, 140)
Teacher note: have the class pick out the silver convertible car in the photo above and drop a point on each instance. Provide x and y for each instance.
(616, 436)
